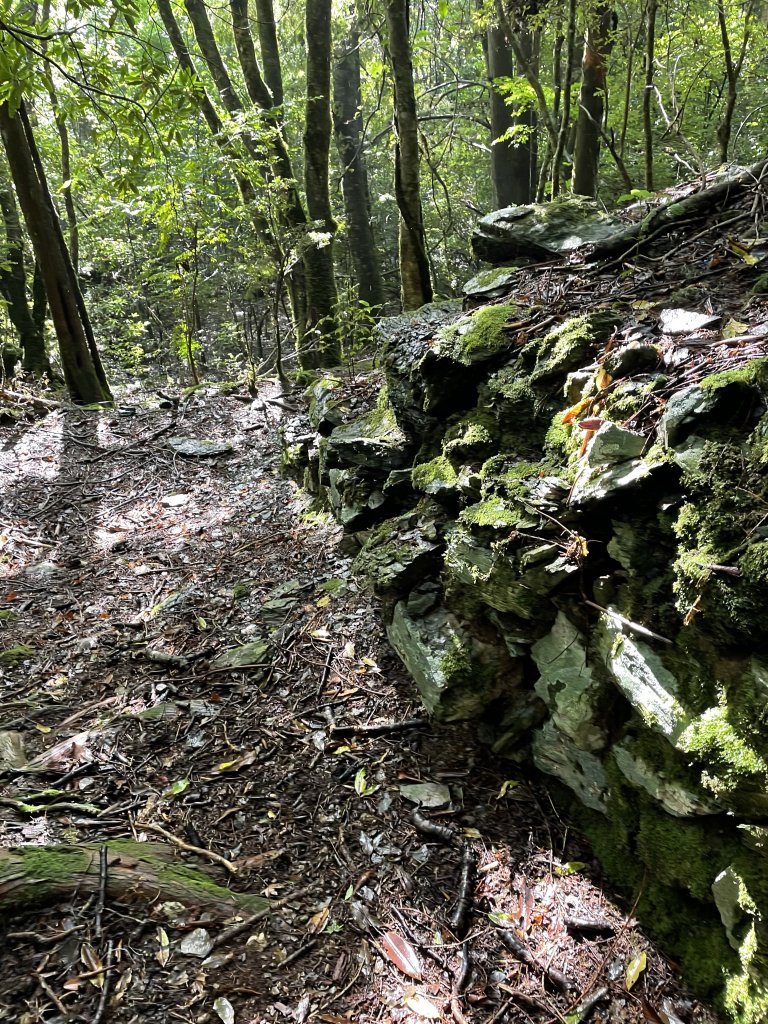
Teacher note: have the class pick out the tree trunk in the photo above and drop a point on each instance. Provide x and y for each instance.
(415, 282)
(513, 162)
(321, 282)
(348, 123)
(32, 876)
(732, 74)
(650, 45)
(594, 89)
(270, 53)
(565, 113)
(13, 288)
(83, 372)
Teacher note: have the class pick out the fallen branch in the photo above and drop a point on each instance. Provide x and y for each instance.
(382, 729)
(32, 876)
(525, 956)
(19, 399)
(667, 217)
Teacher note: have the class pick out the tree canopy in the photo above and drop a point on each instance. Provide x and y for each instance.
(185, 156)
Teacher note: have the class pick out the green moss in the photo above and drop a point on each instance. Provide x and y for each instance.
(471, 435)
(760, 285)
(243, 589)
(713, 739)
(728, 496)
(752, 374)
(13, 655)
(478, 336)
(433, 476)
(493, 513)
(561, 441)
(7, 616)
(568, 346)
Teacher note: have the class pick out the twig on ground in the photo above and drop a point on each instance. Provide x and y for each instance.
(216, 858)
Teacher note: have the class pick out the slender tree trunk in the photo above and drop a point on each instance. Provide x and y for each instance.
(348, 123)
(66, 163)
(321, 281)
(650, 44)
(594, 86)
(415, 282)
(565, 113)
(83, 372)
(270, 53)
(513, 164)
(13, 288)
(262, 91)
(732, 74)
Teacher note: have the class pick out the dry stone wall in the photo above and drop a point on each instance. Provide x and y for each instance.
(570, 545)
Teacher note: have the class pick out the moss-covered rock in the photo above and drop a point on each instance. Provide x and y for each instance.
(458, 674)
(477, 337)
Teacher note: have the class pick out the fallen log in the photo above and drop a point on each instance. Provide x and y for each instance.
(663, 219)
(31, 876)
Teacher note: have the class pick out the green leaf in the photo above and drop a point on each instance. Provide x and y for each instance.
(570, 868)
(177, 788)
(635, 968)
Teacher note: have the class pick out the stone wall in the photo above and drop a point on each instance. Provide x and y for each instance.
(569, 537)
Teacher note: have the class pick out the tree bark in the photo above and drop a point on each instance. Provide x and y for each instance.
(32, 876)
(650, 46)
(594, 87)
(732, 74)
(13, 288)
(348, 124)
(415, 281)
(321, 281)
(270, 52)
(565, 112)
(513, 162)
(83, 372)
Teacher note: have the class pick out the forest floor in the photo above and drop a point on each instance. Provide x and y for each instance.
(127, 569)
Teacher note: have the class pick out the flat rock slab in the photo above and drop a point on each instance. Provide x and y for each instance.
(541, 231)
(200, 447)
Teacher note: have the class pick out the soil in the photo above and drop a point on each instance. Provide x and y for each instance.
(127, 568)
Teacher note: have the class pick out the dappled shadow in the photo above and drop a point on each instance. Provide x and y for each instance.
(128, 571)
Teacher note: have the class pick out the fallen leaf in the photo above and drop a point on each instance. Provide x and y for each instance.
(421, 1005)
(89, 958)
(224, 1010)
(635, 968)
(402, 954)
(164, 952)
(318, 921)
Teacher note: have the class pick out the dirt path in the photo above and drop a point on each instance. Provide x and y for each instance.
(127, 569)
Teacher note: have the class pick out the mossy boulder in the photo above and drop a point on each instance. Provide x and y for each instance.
(373, 440)
(569, 346)
(458, 674)
(402, 552)
(541, 231)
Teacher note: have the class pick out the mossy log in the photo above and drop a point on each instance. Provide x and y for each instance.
(667, 217)
(31, 876)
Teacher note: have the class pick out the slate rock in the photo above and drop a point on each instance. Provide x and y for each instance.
(568, 686)
(200, 447)
(456, 676)
(373, 440)
(541, 231)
